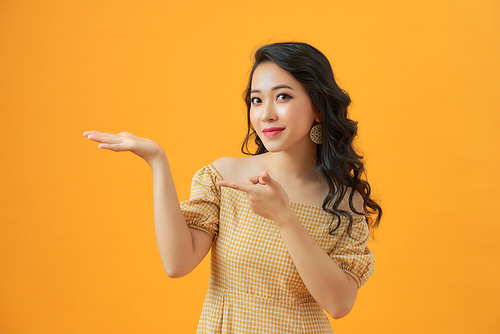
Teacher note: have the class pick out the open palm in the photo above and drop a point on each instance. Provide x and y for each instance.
(125, 141)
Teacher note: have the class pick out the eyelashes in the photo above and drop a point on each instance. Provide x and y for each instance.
(255, 100)
(283, 96)
(279, 97)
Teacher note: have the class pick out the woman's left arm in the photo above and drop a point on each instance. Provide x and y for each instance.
(333, 289)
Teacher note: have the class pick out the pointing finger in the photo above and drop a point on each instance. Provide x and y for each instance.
(236, 185)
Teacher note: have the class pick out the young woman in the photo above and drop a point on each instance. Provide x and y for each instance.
(288, 226)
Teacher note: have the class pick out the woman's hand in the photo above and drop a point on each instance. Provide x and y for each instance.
(265, 195)
(124, 141)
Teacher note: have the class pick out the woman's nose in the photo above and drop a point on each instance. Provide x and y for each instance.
(269, 113)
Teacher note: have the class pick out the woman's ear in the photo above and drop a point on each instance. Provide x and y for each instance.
(318, 117)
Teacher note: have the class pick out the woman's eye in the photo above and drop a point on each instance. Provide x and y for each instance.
(283, 97)
(254, 100)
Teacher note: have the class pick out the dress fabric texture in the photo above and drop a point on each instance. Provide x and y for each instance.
(254, 286)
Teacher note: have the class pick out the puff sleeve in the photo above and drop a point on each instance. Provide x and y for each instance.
(201, 211)
(352, 254)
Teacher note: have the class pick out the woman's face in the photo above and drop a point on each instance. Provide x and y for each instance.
(281, 110)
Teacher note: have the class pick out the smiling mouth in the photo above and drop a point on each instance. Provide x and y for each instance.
(271, 132)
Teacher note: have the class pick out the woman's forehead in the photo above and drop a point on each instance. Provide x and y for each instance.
(269, 75)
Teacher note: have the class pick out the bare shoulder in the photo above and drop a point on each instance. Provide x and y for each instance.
(225, 165)
(357, 202)
(236, 169)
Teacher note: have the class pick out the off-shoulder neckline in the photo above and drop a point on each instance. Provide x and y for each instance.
(220, 178)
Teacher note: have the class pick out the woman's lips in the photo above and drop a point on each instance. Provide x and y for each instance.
(271, 132)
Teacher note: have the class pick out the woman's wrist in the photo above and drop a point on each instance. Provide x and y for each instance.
(159, 160)
(285, 219)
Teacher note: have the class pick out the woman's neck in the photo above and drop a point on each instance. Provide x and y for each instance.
(291, 166)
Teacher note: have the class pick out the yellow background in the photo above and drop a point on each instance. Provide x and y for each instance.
(77, 245)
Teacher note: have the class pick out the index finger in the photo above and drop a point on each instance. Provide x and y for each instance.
(236, 185)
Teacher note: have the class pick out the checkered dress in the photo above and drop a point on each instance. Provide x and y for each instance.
(254, 286)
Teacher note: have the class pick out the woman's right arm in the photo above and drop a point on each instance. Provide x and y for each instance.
(181, 248)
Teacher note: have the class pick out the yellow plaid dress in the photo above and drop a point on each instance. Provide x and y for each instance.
(254, 286)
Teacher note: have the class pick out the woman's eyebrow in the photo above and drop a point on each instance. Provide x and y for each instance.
(274, 88)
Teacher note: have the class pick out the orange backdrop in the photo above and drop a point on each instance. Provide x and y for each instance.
(77, 245)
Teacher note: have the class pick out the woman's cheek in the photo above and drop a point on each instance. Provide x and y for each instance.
(254, 120)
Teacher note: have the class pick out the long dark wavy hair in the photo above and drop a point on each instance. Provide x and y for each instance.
(336, 159)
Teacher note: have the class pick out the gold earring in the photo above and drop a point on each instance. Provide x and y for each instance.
(316, 134)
